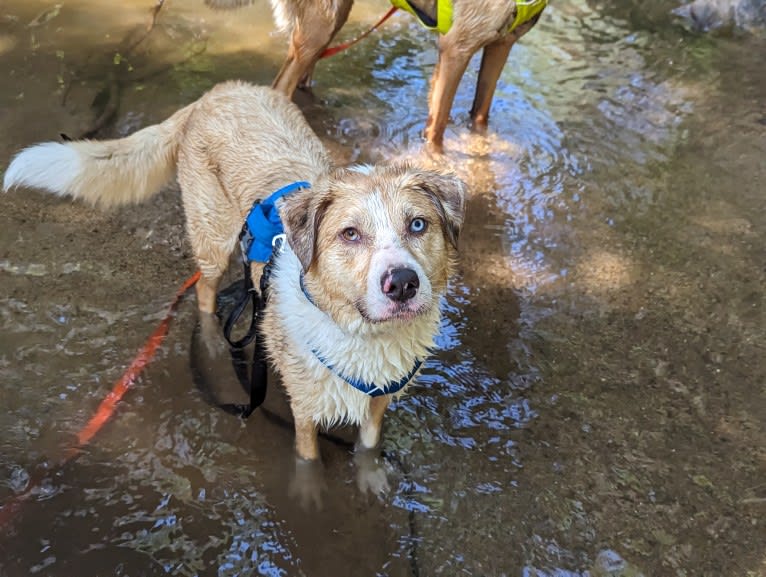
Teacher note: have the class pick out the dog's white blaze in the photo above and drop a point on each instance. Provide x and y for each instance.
(52, 166)
(389, 253)
(376, 353)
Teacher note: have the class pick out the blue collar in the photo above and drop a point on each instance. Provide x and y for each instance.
(371, 388)
(367, 388)
(263, 224)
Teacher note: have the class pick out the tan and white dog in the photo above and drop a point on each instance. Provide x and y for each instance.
(475, 24)
(375, 244)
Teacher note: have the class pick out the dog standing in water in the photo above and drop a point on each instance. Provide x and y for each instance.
(354, 301)
(464, 26)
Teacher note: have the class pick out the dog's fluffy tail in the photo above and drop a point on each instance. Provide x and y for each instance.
(106, 173)
(285, 14)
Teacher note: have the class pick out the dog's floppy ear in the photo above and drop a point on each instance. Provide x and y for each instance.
(301, 215)
(447, 192)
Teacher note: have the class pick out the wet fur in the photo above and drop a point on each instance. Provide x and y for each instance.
(220, 178)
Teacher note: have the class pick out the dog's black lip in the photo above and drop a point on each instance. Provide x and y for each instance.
(359, 305)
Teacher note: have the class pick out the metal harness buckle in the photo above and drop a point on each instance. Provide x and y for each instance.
(278, 243)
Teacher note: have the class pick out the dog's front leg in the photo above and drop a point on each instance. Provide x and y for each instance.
(369, 432)
(308, 481)
(295, 66)
(370, 474)
(306, 439)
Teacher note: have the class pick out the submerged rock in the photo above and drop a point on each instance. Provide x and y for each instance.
(705, 15)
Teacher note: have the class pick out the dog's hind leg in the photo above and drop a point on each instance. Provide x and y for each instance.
(212, 254)
(453, 60)
(313, 30)
(212, 223)
(207, 289)
(492, 62)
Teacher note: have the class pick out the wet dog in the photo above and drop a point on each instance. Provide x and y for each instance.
(355, 292)
(467, 27)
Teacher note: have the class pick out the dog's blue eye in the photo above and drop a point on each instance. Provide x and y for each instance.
(418, 225)
(350, 234)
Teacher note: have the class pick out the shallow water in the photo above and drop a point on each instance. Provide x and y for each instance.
(597, 403)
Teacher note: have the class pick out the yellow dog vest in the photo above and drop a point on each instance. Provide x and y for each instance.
(525, 11)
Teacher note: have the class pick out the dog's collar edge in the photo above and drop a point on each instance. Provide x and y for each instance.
(371, 389)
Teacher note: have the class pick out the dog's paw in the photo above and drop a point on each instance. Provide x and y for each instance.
(371, 474)
(308, 484)
(211, 335)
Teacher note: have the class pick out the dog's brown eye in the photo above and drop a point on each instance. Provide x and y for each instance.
(350, 234)
(418, 225)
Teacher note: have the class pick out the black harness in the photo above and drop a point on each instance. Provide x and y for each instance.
(257, 383)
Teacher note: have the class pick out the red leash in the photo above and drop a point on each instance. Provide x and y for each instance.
(332, 50)
(108, 406)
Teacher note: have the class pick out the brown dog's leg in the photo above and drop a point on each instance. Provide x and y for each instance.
(369, 432)
(306, 440)
(453, 60)
(294, 67)
(312, 33)
(492, 62)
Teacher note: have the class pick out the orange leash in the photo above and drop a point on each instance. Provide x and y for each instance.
(341, 47)
(108, 406)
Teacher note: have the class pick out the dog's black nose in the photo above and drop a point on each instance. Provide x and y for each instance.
(401, 284)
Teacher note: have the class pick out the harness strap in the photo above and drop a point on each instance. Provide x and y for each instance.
(306, 292)
(371, 389)
(250, 295)
(263, 224)
(441, 23)
(256, 242)
(261, 235)
(526, 10)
